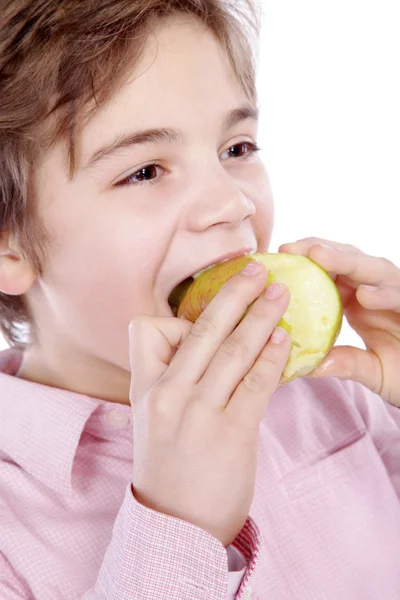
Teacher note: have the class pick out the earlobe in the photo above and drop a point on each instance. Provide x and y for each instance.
(16, 273)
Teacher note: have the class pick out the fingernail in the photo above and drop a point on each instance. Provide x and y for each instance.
(252, 268)
(329, 248)
(370, 288)
(278, 336)
(274, 291)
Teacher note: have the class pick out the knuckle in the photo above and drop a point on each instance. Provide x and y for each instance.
(269, 361)
(386, 262)
(264, 310)
(159, 402)
(264, 371)
(158, 413)
(352, 248)
(258, 309)
(254, 382)
(204, 326)
(158, 392)
(234, 347)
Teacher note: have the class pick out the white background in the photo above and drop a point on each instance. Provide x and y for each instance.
(330, 132)
(330, 92)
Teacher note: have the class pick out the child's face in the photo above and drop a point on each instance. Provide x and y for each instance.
(118, 250)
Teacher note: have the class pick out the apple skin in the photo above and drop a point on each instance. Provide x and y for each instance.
(314, 316)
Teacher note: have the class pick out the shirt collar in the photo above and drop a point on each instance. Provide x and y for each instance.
(40, 426)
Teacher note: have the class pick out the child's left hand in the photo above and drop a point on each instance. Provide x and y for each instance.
(373, 314)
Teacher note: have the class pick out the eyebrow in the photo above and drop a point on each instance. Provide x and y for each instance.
(163, 134)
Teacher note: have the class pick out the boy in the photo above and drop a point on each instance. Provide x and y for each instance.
(128, 163)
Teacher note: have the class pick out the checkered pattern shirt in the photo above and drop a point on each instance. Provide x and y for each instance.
(324, 523)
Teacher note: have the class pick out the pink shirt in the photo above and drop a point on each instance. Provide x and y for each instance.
(324, 523)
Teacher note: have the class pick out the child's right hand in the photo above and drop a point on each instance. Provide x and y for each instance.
(198, 407)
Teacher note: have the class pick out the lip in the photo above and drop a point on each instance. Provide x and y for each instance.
(219, 259)
(226, 257)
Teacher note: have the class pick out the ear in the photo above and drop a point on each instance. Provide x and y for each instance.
(16, 273)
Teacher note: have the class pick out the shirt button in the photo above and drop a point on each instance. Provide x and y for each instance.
(118, 417)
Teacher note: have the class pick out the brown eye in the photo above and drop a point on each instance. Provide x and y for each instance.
(242, 149)
(147, 174)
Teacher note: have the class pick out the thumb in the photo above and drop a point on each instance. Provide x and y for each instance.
(348, 362)
(153, 342)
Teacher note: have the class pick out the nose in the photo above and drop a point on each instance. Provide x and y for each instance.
(219, 201)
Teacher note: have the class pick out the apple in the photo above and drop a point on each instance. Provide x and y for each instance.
(314, 316)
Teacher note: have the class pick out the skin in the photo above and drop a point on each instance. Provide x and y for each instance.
(116, 251)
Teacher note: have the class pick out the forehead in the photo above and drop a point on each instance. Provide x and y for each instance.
(184, 79)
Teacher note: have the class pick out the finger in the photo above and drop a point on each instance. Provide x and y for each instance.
(240, 351)
(379, 298)
(214, 325)
(250, 400)
(352, 264)
(347, 362)
(303, 246)
(153, 342)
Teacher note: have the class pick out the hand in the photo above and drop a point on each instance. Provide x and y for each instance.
(197, 408)
(373, 313)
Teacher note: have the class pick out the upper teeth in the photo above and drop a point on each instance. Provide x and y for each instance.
(196, 275)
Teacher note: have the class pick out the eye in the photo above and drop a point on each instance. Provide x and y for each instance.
(147, 174)
(241, 150)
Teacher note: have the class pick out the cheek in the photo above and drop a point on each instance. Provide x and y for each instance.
(260, 193)
(101, 271)
(97, 241)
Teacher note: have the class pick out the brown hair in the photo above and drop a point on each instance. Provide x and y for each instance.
(57, 58)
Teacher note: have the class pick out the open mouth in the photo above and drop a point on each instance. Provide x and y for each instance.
(178, 292)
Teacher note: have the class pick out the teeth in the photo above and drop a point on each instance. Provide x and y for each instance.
(196, 275)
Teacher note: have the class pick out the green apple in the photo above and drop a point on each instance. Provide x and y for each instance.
(314, 316)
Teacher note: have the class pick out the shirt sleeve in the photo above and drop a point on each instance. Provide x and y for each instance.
(153, 556)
